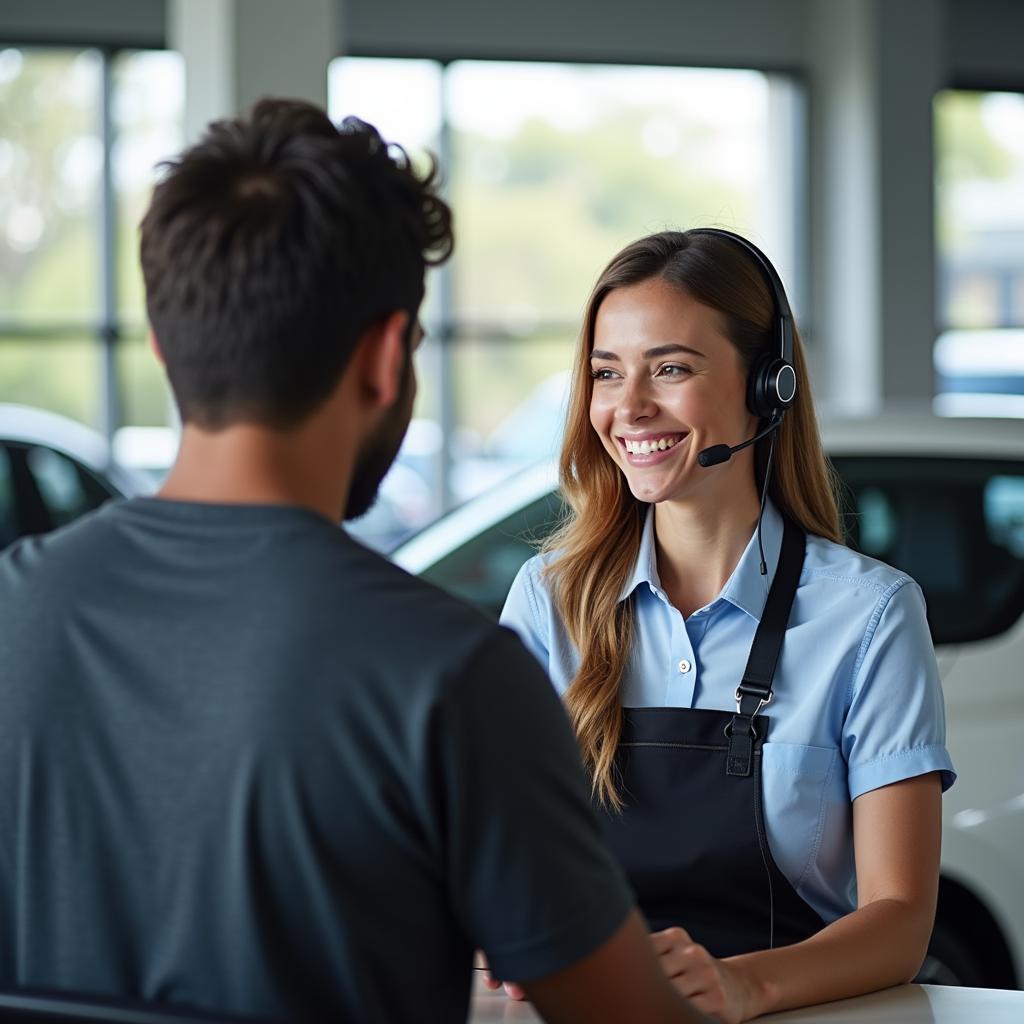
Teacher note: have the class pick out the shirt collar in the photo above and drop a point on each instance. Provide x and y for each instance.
(746, 588)
(645, 570)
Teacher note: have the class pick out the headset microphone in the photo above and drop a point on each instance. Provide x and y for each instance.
(719, 453)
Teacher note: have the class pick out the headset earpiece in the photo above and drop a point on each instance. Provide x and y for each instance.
(771, 387)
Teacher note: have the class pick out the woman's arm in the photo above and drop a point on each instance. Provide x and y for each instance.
(897, 836)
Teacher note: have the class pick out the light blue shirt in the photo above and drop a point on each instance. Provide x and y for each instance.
(857, 698)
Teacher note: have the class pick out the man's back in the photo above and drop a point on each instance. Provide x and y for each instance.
(246, 764)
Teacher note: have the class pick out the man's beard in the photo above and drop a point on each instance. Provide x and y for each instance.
(379, 452)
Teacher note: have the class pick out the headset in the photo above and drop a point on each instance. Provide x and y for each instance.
(771, 383)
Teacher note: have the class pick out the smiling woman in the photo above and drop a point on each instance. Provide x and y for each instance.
(649, 394)
(758, 708)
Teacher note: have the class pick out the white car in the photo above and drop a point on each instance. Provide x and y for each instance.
(53, 470)
(942, 499)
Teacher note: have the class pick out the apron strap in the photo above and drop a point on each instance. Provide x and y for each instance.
(755, 690)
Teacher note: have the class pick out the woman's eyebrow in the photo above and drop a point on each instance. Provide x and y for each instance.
(668, 350)
(651, 353)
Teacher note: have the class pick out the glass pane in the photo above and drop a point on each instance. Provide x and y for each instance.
(145, 395)
(510, 404)
(555, 167)
(62, 375)
(979, 188)
(51, 157)
(148, 442)
(980, 373)
(149, 101)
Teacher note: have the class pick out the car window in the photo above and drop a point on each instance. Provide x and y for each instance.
(41, 489)
(67, 489)
(482, 569)
(954, 525)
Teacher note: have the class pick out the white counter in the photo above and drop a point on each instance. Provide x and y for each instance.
(906, 1004)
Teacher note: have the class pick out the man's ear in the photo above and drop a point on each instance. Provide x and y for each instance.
(154, 346)
(382, 357)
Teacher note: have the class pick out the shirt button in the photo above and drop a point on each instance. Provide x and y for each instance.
(684, 666)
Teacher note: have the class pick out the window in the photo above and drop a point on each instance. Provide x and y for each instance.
(979, 355)
(80, 134)
(551, 168)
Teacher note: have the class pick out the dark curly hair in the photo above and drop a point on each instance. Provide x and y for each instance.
(270, 247)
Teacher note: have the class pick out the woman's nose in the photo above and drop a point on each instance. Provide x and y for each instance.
(636, 401)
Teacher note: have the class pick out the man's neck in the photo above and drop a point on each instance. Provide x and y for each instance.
(249, 464)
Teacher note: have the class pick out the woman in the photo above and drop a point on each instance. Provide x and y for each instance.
(758, 706)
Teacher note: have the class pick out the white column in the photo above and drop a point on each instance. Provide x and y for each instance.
(237, 51)
(844, 207)
(874, 68)
(911, 69)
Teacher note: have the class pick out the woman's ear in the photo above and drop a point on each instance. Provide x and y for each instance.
(381, 358)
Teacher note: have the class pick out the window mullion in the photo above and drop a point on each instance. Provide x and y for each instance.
(109, 327)
(446, 316)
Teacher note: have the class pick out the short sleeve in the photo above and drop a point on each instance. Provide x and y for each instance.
(895, 728)
(522, 612)
(532, 882)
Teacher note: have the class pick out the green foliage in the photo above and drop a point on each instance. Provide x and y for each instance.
(51, 374)
(540, 215)
(965, 148)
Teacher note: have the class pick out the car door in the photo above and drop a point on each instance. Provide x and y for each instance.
(956, 525)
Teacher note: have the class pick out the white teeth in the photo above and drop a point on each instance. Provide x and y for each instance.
(647, 447)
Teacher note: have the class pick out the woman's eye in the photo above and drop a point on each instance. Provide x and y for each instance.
(674, 370)
(603, 374)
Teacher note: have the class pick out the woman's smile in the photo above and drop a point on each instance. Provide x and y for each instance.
(651, 449)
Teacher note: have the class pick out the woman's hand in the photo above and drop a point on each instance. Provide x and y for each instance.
(714, 986)
(512, 990)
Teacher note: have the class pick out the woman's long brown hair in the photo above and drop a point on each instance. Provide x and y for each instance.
(597, 545)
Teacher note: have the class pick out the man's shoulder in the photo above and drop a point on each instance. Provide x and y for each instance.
(417, 611)
(60, 552)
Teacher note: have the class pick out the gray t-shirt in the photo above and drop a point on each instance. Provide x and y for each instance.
(248, 765)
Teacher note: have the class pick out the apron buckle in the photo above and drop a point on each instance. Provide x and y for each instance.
(762, 700)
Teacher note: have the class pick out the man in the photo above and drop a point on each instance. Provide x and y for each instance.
(247, 765)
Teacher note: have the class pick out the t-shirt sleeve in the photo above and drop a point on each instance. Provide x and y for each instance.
(895, 728)
(523, 613)
(531, 880)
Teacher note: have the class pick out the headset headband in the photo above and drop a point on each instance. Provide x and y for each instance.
(783, 314)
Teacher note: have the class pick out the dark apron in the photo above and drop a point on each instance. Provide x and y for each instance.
(691, 835)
